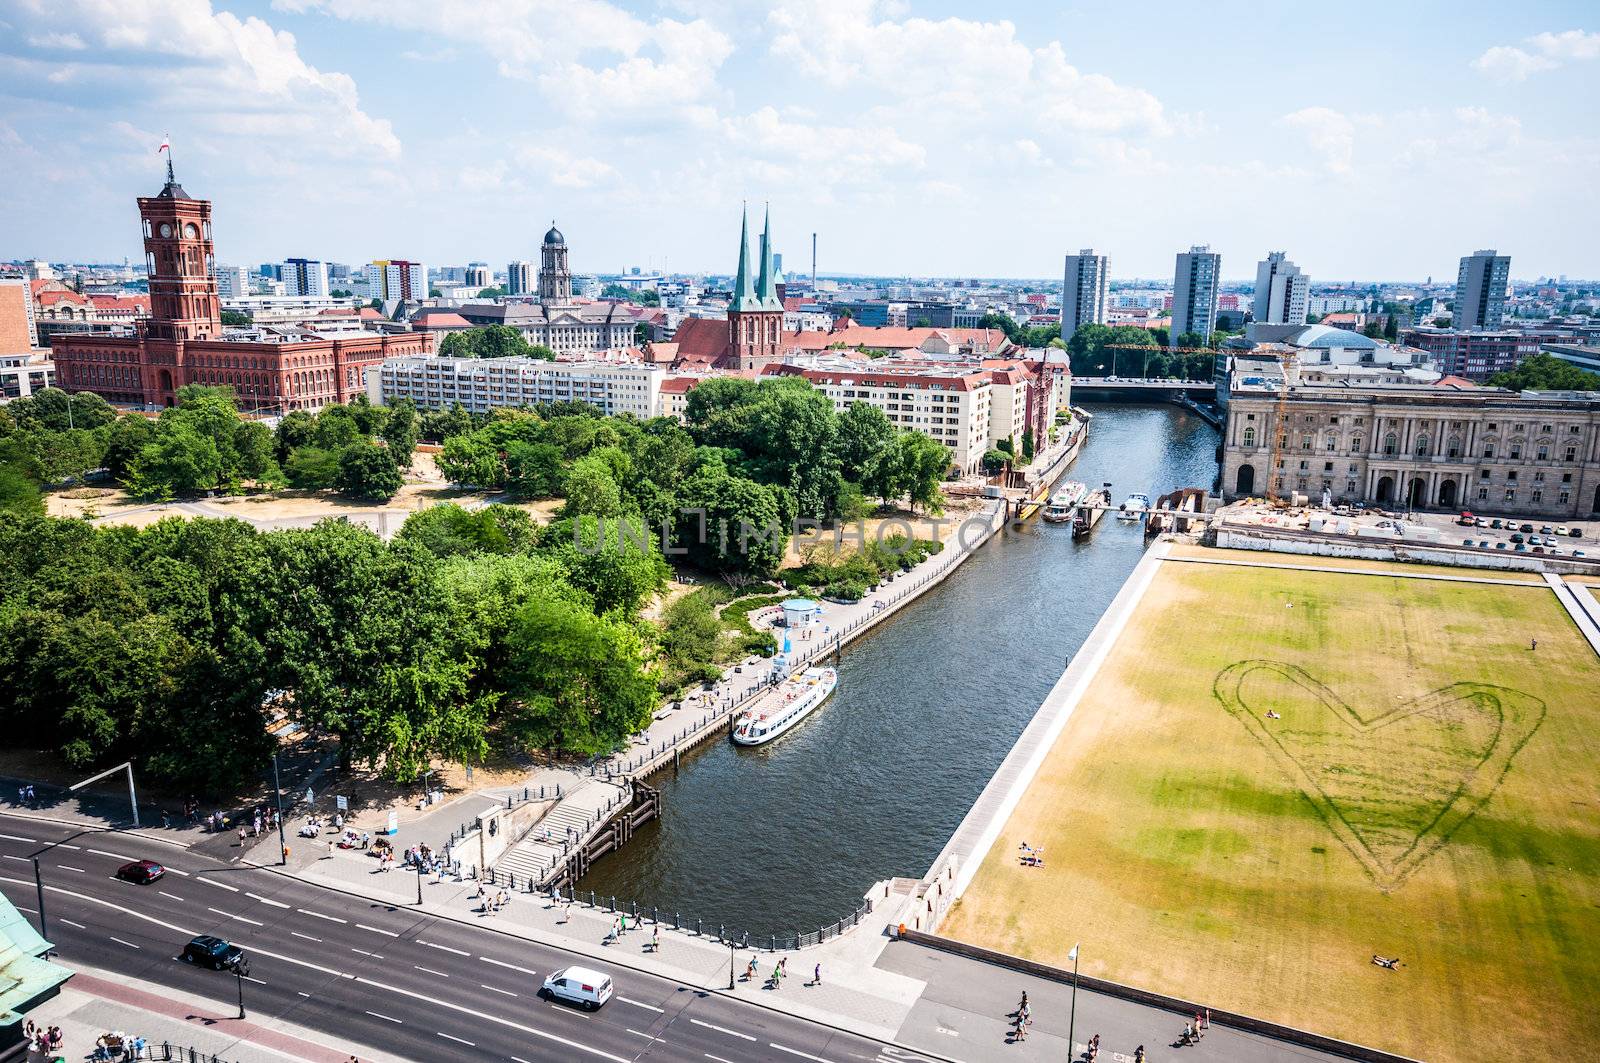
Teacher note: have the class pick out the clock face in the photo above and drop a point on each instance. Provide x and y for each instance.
(166, 230)
(190, 231)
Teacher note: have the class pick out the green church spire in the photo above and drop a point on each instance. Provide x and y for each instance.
(766, 287)
(744, 295)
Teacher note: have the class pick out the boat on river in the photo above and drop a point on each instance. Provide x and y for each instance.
(1065, 501)
(1089, 511)
(1133, 507)
(785, 706)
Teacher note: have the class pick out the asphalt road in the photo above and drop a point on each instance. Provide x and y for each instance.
(375, 974)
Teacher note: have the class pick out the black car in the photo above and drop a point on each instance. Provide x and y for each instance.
(213, 952)
(143, 872)
(1525, 528)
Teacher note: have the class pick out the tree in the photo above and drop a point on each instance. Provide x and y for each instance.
(732, 525)
(253, 443)
(341, 293)
(605, 559)
(1391, 328)
(448, 530)
(376, 304)
(592, 488)
(180, 461)
(1546, 372)
(401, 430)
(21, 491)
(235, 319)
(295, 429)
(492, 293)
(434, 293)
(1189, 339)
(534, 470)
(442, 425)
(336, 428)
(490, 341)
(1372, 330)
(865, 432)
(924, 462)
(1027, 444)
(128, 437)
(368, 471)
(578, 681)
(312, 468)
(994, 461)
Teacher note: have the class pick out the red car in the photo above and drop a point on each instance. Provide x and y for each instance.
(143, 872)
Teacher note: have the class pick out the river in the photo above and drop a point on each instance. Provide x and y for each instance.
(789, 836)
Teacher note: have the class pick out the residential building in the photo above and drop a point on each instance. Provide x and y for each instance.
(1481, 291)
(477, 276)
(397, 279)
(1282, 291)
(1475, 356)
(58, 308)
(22, 374)
(39, 270)
(183, 342)
(519, 278)
(483, 384)
(304, 276)
(1194, 292)
(19, 334)
(1445, 446)
(1337, 304)
(232, 282)
(1083, 291)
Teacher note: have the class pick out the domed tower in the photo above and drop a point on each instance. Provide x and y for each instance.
(555, 278)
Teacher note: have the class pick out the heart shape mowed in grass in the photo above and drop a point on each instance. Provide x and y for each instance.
(1395, 785)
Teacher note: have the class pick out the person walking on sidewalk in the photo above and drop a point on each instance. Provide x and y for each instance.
(655, 939)
(816, 975)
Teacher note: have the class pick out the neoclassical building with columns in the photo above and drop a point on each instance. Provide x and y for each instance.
(1417, 446)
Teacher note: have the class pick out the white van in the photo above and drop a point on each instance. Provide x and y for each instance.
(579, 985)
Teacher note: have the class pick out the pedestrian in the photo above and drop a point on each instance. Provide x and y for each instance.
(777, 974)
(1138, 1054)
(655, 939)
(750, 970)
(566, 911)
(1208, 1018)
(1022, 1007)
(623, 916)
(1533, 644)
(1198, 1033)
(330, 847)
(242, 833)
(816, 975)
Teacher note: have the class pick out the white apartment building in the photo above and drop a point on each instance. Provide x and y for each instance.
(1481, 288)
(1282, 291)
(1323, 305)
(304, 276)
(952, 404)
(482, 384)
(1083, 291)
(519, 278)
(1194, 292)
(23, 374)
(232, 281)
(389, 279)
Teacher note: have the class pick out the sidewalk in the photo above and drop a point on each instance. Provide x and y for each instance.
(96, 1002)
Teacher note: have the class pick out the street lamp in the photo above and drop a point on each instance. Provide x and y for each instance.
(733, 949)
(1072, 1016)
(238, 972)
(277, 786)
(38, 880)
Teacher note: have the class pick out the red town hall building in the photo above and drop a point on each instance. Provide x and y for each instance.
(183, 342)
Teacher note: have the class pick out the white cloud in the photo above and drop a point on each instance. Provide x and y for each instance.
(1543, 51)
(1328, 132)
(224, 78)
(70, 42)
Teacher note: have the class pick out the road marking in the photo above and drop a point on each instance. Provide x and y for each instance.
(69, 867)
(453, 1037)
(69, 922)
(18, 838)
(114, 856)
(385, 1018)
(485, 1016)
(19, 859)
(430, 970)
(443, 948)
(646, 1036)
(364, 952)
(722, 1029)
(267, 900)
(492, 989)
(220, 885)
(130, 944)
(375, 930)
(509, 966)
(257, 981)
(64, 845)
(319, 915)
(175, 871)
(173, 896)
(797, 1052)
(307, 937)
(719, 1059)
(641, 1004)
(302, 993)
(232, 916)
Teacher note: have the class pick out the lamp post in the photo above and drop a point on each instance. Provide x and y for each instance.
(38, 880)
(1072, 1015)
(238, 973)
(277, 787)
(733, 949)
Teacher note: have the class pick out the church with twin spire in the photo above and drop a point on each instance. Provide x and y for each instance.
(755, 316)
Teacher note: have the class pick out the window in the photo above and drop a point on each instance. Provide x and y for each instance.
(1302, 466)
(1422, 446)
(1511, 477)
(1511, 494)
(1453, 448)
(1566, 477)
(1333, 443)
(1538, 495)
(1391, 445)
(1327, 466)
(1488, 450)
(1355, 445)
(1305, 442)
(1483, 494)
(1360, 420)
(1538, 477)
(1516, 451)
(1249, 437)
(1572, 454)
(1544, 428)
(1565, 496)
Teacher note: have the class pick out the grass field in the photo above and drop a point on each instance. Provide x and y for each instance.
(1428, 790)
(1316, 561)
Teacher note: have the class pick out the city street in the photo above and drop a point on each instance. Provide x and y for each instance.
(375, 974)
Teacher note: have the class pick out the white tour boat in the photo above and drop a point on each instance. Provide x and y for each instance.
(1064, 503)
(792, 701)
(1133, 507)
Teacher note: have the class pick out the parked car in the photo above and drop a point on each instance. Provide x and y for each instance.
(1518, 538)
(1547, 530)
(1497, 523)
(1499, 546)
(1563, 531)
(1522, 548)
(1525, 528)
(143, 872)
(587, 988)
(1483, 544)
(1576, 533)
(213, 952)
(1467, 520)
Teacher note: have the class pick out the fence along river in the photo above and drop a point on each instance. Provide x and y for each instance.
(786, 837)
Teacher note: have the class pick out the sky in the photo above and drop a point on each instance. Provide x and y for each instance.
(1371, 141)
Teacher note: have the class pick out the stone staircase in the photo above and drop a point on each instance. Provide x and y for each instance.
(574, 819)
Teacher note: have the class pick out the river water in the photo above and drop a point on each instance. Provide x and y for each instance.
(788, 836)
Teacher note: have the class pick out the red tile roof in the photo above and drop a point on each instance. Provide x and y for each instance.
(701, 339)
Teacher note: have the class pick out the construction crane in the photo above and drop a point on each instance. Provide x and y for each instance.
(1280, 429)
(1147, 350)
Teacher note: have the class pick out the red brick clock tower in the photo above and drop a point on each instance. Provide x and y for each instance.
(183, 292)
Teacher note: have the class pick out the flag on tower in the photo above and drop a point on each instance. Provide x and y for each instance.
(166, 145)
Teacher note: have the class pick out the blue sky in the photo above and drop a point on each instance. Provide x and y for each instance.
(1368, 140)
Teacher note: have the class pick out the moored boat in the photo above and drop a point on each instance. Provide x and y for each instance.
(1133, 507)
(1065, 501)
(790, 702)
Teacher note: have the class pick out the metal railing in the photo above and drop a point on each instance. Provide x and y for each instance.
(170, 1053)
(528, 794)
